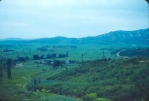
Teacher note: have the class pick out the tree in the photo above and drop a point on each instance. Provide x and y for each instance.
(9, 64)
(35, 82)
(56, 63)
(21, 59)
(26, 58)
(42, 57)
(62, 55)
(1, 69)
(36, 57)
(82, 57)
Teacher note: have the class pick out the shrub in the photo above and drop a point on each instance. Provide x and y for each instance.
(92, 96)
(78, 100)
(103, 99)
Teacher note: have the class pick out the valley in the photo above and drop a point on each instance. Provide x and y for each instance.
(63, 69)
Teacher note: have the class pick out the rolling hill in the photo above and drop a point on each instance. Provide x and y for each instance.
(123, 37)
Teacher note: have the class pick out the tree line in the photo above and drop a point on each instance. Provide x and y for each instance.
(50, 56)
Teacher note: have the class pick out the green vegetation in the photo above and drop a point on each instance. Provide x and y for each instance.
(112, 79)
(88, 72)
(15, 89)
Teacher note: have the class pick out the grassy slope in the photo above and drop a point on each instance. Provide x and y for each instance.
(121, 79)
(15, 89)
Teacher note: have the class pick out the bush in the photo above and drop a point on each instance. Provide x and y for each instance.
(78, 100)
(91, 97)
(103, 99)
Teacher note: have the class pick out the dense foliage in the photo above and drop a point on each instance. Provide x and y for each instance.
(118, 80)
(131, 52)
(144, 52)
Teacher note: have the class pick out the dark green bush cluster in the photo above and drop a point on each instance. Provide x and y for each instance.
(144, 52)
(15, 94)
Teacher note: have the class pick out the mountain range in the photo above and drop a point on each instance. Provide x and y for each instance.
(123, 37)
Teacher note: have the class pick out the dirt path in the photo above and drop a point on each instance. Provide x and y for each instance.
(118, 54)
(25, 83)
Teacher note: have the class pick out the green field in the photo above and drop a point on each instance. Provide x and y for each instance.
(91, 51)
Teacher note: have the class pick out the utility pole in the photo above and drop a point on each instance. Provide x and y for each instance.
(103, 55)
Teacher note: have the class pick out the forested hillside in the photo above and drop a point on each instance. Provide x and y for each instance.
(117, 80)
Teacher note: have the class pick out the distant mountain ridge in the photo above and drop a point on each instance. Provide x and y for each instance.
(13, 39)
(127, 37)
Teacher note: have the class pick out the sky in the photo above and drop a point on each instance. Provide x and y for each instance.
(30, 19)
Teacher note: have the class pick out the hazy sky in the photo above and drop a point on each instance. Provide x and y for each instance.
(71, 18)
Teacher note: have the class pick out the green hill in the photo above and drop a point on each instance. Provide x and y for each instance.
(116, 37)
(118, 80)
